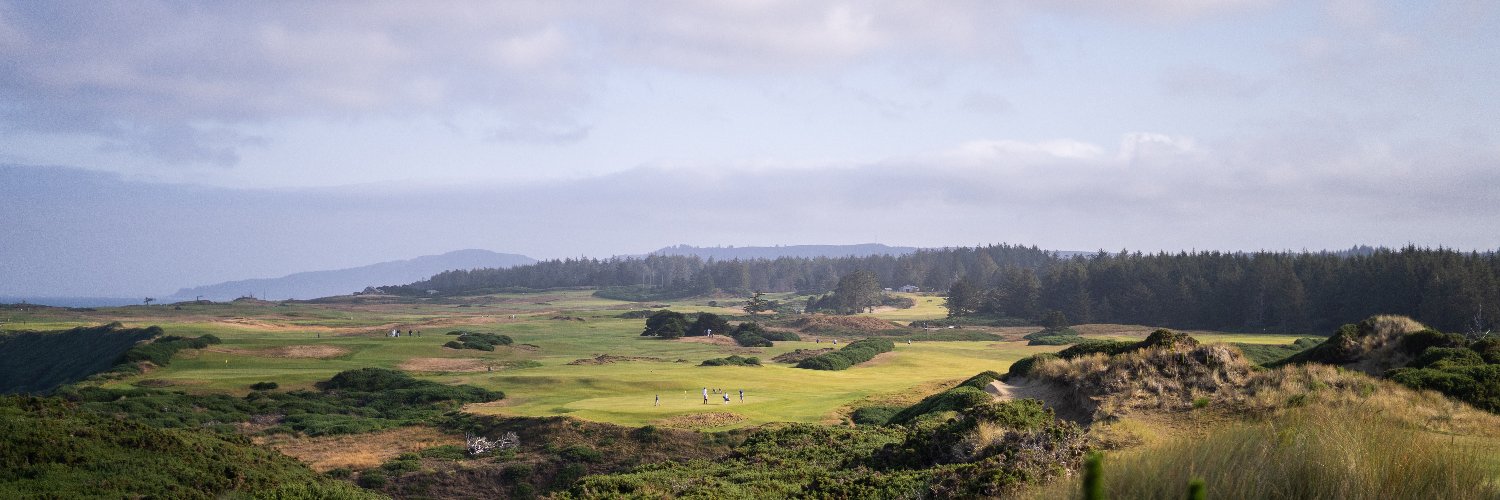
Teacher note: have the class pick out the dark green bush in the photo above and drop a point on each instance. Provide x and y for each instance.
(957, 398)
(732, 360)
(855, 353)
(874, 415)
(581, 453)
(372, 478)
(1022, 367)
(264, 386)
(1055, 340)
(1097, 346)
(1488, 349)
(1419, 341)
(1446, 357)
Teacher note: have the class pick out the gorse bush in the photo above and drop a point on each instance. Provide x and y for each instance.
(477, 340)
(855, 353)
(159, 352)
(732, 360)
(351, 402)
(49, 448)
(1417, 357)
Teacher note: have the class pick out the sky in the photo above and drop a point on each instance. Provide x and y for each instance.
(147, 146)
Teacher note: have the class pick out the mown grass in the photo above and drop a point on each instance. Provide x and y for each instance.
(620, 393)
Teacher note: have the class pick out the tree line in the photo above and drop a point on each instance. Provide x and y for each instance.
(1259, 291)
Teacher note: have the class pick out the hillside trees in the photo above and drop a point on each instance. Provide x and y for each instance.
(1257, 291)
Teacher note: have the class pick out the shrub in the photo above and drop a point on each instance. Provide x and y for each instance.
(781, 336)
(1446, 357)
(706, 322)
(1488, 349)
(1022, 367)
(264, 386)
(581, 453)
(874, 415)
(1092, 346)
(955, 399)
(855, 353)
(372, 478)
(1419, 341)
(1055, 340)
(732, 360)
(666, 324)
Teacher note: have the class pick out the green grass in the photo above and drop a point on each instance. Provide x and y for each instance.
(547, 385)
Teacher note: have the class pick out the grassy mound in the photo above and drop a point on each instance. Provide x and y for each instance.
(986, 450)
(855, 353)
(1318, 451)
(1054, 336)
(732, 360)
(50, 449)
(477, 340)
(351, 402)
(39, 362)
(1415, 356)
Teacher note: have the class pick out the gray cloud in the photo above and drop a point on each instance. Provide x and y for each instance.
(1149, 192)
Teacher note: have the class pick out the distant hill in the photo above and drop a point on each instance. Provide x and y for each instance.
(808, 251)
(315, 284)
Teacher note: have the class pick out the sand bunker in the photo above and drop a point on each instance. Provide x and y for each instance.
(443, 365)
(699, 420)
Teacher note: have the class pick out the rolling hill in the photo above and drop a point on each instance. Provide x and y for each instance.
(314, 284)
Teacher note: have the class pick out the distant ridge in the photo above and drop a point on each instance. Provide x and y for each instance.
(315, 284)
(809, 251)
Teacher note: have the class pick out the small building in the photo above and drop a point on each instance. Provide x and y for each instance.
(909, 289)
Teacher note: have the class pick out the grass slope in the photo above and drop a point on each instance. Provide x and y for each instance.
(40, 362)
(49, 449)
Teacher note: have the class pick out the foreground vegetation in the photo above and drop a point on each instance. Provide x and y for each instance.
(601, 411)
(51, 449)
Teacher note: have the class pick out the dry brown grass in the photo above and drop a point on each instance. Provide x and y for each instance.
(357, 451)
(444, 365)
(699, 420)
(291, 351)
(824, 323)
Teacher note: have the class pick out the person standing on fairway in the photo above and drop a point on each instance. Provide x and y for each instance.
(742, 395)
(658, 401)
(705, 395)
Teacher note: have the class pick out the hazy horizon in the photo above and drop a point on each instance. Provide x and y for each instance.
(149, 146)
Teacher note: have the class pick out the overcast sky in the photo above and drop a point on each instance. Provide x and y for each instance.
(146, 146)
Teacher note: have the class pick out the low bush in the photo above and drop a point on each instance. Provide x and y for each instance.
(732, 360)
(955, 399)
(1022, 367)
(477, 340)
(855, 353)
(874, 415)
(1446, 357)
(264, 386)
(1099, 346)
(159, 352)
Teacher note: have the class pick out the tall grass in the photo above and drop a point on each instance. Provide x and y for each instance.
(1314, 452)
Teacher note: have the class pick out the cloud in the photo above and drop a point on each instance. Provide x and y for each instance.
(1152, 10)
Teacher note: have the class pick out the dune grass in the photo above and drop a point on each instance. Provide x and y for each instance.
(1315, 452)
